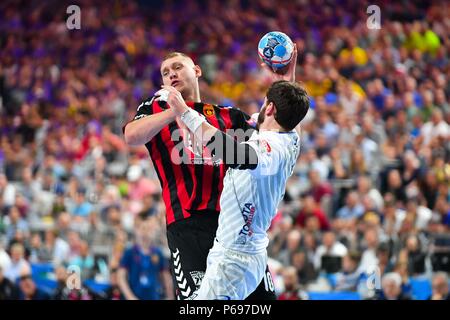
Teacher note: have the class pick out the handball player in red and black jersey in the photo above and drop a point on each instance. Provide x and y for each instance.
(191, 182)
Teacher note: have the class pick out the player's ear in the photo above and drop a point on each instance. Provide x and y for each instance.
(198, 71)
(270, 109)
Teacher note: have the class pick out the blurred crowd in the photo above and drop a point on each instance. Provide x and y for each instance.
(370, 193)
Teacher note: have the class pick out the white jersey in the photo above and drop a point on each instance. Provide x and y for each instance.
(250, 198)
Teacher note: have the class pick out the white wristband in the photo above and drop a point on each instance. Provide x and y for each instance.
(192, 120)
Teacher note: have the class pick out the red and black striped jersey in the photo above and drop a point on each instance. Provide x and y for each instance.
(190, 179)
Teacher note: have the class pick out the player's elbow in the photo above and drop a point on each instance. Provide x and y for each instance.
(132, 136)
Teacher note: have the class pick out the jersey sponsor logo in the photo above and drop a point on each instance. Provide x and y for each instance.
(248, 212)
(208, 110)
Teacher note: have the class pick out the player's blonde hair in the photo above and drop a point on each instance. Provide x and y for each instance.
(176, 54)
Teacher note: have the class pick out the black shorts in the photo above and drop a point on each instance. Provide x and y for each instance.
(189, 242)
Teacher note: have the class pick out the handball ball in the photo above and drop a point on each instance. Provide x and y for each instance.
(275, 49)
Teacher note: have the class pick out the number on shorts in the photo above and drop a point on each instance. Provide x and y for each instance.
(268, 282)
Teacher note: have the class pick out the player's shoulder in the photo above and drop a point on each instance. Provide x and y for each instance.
(148, 102)
(149, 106)
(238, 116)
(276, 142)
(228, 108)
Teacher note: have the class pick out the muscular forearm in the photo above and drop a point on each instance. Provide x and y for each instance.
(141, 131)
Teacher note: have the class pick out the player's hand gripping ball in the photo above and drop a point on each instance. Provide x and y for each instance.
(276, 50)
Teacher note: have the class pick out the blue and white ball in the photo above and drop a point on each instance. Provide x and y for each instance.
(276, 49)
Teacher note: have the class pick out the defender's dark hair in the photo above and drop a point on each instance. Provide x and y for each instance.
(291, 103)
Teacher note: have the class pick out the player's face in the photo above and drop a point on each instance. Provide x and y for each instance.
(145, 229)
(180, 73)
(267, 111)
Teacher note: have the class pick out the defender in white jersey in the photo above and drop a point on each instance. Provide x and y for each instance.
(237, 262)
(254, 185)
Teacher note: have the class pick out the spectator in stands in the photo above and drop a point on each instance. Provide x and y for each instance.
(429, 188)
(98, 233)
(8, 290)
(28, 289)
(80, 206)
(312, 208)
(62, 290)
(415, 256)
(364, 188)
(392, 287)
(64, 225)
(395, 186)
(292, 290)
(319, 188)
(442, 213)
(369, 256)
(143, 272)
(348, 279)
(85, 261)
(436, 127)
(330, 247)
(114, 292)
(401, 268)
(7, 192)
(353, 209)
(69, 286)
(411, 172)
(74, 242)
(38, 252)
(439, 285)
(57, 247)
(384, 260)
(15, 223)
(18, 263)
(421, 214)
(279, 235)
(140, 186)
(338, 169)
(305, 268)
(358, 165)
(5, 260)
(310, 244)
(292, 244)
